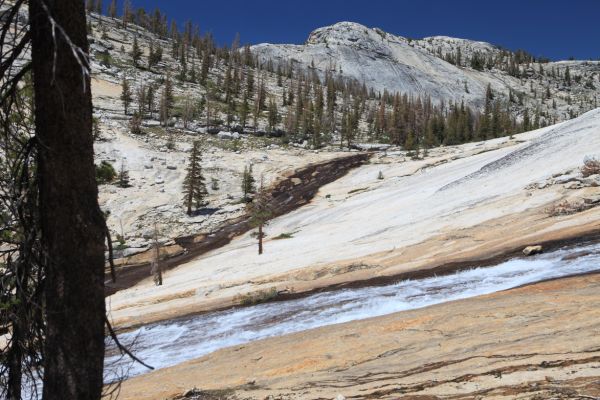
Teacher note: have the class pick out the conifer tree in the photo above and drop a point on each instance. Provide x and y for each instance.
(187, 112)
(250, 83)
(141, 94)
(273, 115)
(166, 100)
(135, 124)
(126, 96)
(112, 9)
(244, 110)
(105, 59)
(526, 121)
(194, 187)
(127, 13)
(248, 183)
(568, 76)
(155, 55)
(411, 144)
(123, 177)
(99, 7)
(150, 93)
(136, 52)
(260, 213)
(205, 68)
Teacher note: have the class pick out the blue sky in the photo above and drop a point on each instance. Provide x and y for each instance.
(552, 28)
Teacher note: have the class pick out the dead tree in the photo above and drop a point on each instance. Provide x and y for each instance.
(156, 268)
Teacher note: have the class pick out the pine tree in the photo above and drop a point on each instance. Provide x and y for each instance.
(194, 187)
(126, 96)
(248, 184)
(526, 121)
(568, 76)
(155, 55)
(99, 7)
(141, 94)
(150, 99)
(411, 144)
(135, 124)
(166, 101)
(105, 59)
(123, 177)
(250, 83)
(260, 213)
(127, 13)
(205, 68)
(244, 110)
(187, 112)
(273, 115)
(112, 9)
(136, 52)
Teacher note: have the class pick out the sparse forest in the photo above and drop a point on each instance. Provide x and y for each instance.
(202, 84)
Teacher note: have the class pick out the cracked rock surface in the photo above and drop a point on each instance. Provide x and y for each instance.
(536, 342)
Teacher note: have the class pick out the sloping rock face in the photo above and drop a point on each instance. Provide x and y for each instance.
(536, 342)
(383, 61)
(380, 60)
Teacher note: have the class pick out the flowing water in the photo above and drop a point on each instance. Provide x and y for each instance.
(166, 344)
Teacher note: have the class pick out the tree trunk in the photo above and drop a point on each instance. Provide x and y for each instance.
(15, 353)
(260, 239)
(72, 224)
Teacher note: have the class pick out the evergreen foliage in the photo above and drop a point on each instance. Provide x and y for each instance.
(126, 95)
(248, 184)
(194, 188)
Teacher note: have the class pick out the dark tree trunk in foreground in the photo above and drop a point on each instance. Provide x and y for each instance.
(72, 223)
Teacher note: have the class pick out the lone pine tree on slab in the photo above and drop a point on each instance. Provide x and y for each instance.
(193, 185)
(260, 213)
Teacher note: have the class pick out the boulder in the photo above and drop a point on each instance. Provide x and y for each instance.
(228, 135)
(532, 250)
(573, 185)
(371, 146)
(277, 133)
(591, 181)
(566, 179)
(237, 129)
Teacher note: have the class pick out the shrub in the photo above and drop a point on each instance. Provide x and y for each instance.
(284, 236)
(214, 185)
(259, 297)
(566, 208)
(135, 124)
(105, 173)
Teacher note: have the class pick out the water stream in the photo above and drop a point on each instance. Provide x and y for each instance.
(166, 344)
